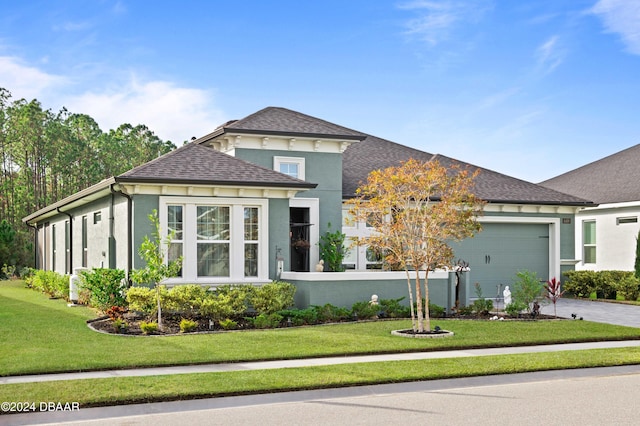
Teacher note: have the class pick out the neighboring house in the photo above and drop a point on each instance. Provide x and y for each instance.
(249, 202)
(605, 234)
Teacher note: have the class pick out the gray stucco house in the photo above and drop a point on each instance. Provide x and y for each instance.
(250, 200)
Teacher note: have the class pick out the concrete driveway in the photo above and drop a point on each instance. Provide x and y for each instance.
(610, 313)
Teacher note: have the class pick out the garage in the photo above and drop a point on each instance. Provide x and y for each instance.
(501, 249)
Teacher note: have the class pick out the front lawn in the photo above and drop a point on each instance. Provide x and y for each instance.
(39, 335)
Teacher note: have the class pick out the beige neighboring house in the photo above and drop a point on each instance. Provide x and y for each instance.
(605, 234)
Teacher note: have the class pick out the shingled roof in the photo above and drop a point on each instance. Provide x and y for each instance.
(613, 179)
(197, 164)
(282, 121)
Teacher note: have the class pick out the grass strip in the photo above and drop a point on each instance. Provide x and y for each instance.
(129, 390)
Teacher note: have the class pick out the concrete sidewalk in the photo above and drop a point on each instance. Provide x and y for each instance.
(266, 365)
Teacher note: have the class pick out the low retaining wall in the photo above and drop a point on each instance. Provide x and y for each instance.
(345, 288)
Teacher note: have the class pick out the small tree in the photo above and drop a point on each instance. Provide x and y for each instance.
(417, 210)
(553, 292)
(153, 252)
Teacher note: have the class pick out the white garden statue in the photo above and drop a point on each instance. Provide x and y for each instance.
(507, 296)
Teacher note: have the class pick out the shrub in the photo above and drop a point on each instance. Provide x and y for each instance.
(580, 283)
(364, 310)
(187, 325)
(8, 272)
(266, 320)
(527, 288)
(436, 311)
(481, 306)
(120, 325)
(148, 327)
(51, 283)
(115, 312)
(515, 308)
(228, 324)
(186, 299)
(300, 317)
(332, 250)
(331, 313)
(226, 302)
(273, 297)
(391, 308)
(142, 299)
(628, 287)
(107, 287)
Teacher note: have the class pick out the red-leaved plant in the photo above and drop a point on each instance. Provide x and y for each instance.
(554, 292)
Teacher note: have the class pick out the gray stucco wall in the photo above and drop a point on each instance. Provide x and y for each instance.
(143, 206)
(325, 169)
(278, 234)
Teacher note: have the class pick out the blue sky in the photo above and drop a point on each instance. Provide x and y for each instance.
(530, 88)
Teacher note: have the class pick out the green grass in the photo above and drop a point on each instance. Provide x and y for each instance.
(128, 390)
(39, 335)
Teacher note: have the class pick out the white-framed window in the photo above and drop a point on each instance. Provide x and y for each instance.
(220, 239)
(291, 166)
(589, 241)
(358, 257)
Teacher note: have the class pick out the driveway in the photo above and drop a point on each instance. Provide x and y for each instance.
(610, 313)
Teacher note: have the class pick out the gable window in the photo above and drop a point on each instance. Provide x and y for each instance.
(589, 241)
(290, 166)
(220, 240)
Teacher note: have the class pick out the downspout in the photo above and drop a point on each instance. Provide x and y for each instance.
(129, 226)
(35, 243)
(70, 238)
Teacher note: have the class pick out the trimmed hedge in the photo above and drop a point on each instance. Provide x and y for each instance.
(605, 284)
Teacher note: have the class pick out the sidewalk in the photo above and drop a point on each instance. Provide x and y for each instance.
(267, 365)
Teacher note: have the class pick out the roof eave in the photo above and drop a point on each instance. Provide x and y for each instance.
(294, 185)
(223, 130)
(77, 199)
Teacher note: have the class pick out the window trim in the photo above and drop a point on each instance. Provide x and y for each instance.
(589, 245)
(236, 242)
(626, 219)
(300, 161)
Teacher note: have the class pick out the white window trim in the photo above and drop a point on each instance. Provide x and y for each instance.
(236, 244)
(278, 160)
(583, 244)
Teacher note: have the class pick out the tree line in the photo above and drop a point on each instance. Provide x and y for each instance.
(46, 156)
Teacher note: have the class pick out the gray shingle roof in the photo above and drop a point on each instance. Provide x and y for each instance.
(374, 153)
(613, 179)
(282, 121)
(198, 164)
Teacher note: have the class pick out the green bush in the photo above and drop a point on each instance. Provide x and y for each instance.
(228, 324)
(436, 311)
(364, 310)
(185, 299)
(482, 307)
(580, 283)
(628, 287)
(266, 320)
(227, 301)
(142, 299)
(331, 313)
(51, 283)
(120, 325)
(273, 297)
(187, 326)
(107, 287)
(527, 288)
(515, 308)
(148, 327)
(298, 317)
(391, 308)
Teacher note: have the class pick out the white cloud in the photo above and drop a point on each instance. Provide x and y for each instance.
(623, 18)
(549, 55)
(436, 18)
(24, 81)
(171, 112)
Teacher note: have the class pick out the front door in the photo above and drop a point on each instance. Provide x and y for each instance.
(300, 244)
